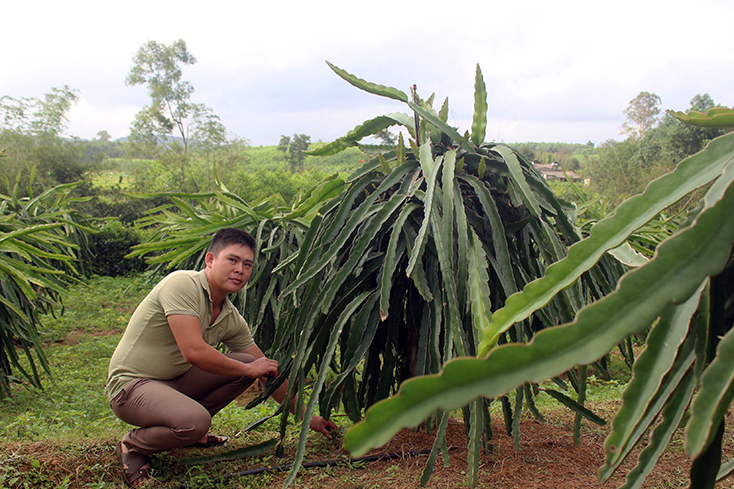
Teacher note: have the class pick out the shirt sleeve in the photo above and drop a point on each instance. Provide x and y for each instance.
(239, 337)
(178, 296)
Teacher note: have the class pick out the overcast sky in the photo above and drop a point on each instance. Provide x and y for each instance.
(555, 71)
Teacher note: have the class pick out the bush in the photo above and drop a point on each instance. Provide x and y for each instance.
(110, 246)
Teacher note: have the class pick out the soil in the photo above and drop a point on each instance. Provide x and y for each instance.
(547, 459)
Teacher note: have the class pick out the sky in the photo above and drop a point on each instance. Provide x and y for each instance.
(559, 71)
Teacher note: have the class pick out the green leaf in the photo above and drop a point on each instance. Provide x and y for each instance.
(366, 129)
(442, 232)
(671, 382)
(624, 253)
(499, 239)
(612, 231)
(649, 370)
(717, 117)
(441, 125)
(419, 245)
(437, 442)
(479, 123)
(575, 406)
(516, 173)
(388, 269)
(672, 416)
(443, 114)
(476, 427)
(323, 192)
(373, 88)
(249, 451)
(714, 396)
(481, 305)
(725, 470)
(359, 248)
(365, 209)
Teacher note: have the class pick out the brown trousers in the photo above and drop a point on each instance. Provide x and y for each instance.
(178, 412)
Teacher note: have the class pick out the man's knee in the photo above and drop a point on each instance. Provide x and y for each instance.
(193, 426)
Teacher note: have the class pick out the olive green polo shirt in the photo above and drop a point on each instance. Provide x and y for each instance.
(149, 350)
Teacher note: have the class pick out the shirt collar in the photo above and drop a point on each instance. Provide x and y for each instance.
(227, 305)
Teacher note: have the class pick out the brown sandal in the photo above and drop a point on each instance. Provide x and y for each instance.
(135, 466)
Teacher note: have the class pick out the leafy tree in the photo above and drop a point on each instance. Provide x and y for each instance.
(30, 130)
(171, 121)
(103, 136)
(293, 149)
(641, 114)
(284, 145)
(386, 137)
(39, 116)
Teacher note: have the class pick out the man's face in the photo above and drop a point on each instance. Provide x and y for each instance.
(230, 269)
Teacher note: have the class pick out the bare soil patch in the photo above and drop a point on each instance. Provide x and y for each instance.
(547, 459)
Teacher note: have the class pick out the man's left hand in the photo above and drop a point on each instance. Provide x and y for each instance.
(322, 425)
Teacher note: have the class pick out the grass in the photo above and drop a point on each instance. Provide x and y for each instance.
(64, 436)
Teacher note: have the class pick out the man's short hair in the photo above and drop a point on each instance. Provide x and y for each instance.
(230, 236)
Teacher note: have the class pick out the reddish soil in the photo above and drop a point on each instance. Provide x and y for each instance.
(547, 459)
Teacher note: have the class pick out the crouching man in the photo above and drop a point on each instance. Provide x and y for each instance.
(167, 377)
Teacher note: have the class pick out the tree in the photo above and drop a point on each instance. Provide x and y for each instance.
(641, 114)
(284, 145)
(702, 103)
(38, 116)
(293, 149)
(103, 136)
(171, 121)
(386, 137)
(30, 130)
(682, 139)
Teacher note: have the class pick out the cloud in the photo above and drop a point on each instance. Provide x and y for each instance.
(573, 65)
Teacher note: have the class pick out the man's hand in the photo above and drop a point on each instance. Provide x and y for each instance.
(322, 425)
(263, 366)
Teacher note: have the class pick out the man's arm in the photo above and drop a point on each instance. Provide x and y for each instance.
(187, 332)
(317, 422)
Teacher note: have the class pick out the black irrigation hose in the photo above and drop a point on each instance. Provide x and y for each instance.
(324, 463)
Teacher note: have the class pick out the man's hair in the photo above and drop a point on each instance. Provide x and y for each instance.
(230, 236)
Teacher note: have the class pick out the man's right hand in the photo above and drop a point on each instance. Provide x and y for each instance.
(263, 366)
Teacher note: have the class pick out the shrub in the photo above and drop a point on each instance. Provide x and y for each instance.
(110, 245)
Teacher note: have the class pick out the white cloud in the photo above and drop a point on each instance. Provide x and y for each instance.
(87, 119)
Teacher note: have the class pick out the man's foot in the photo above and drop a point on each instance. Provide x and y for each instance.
(209, 441)
(135, 466)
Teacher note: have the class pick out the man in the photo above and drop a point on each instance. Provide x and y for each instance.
(167, 377)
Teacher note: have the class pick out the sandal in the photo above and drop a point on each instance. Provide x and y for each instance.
(135, 466)
(211, 441)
